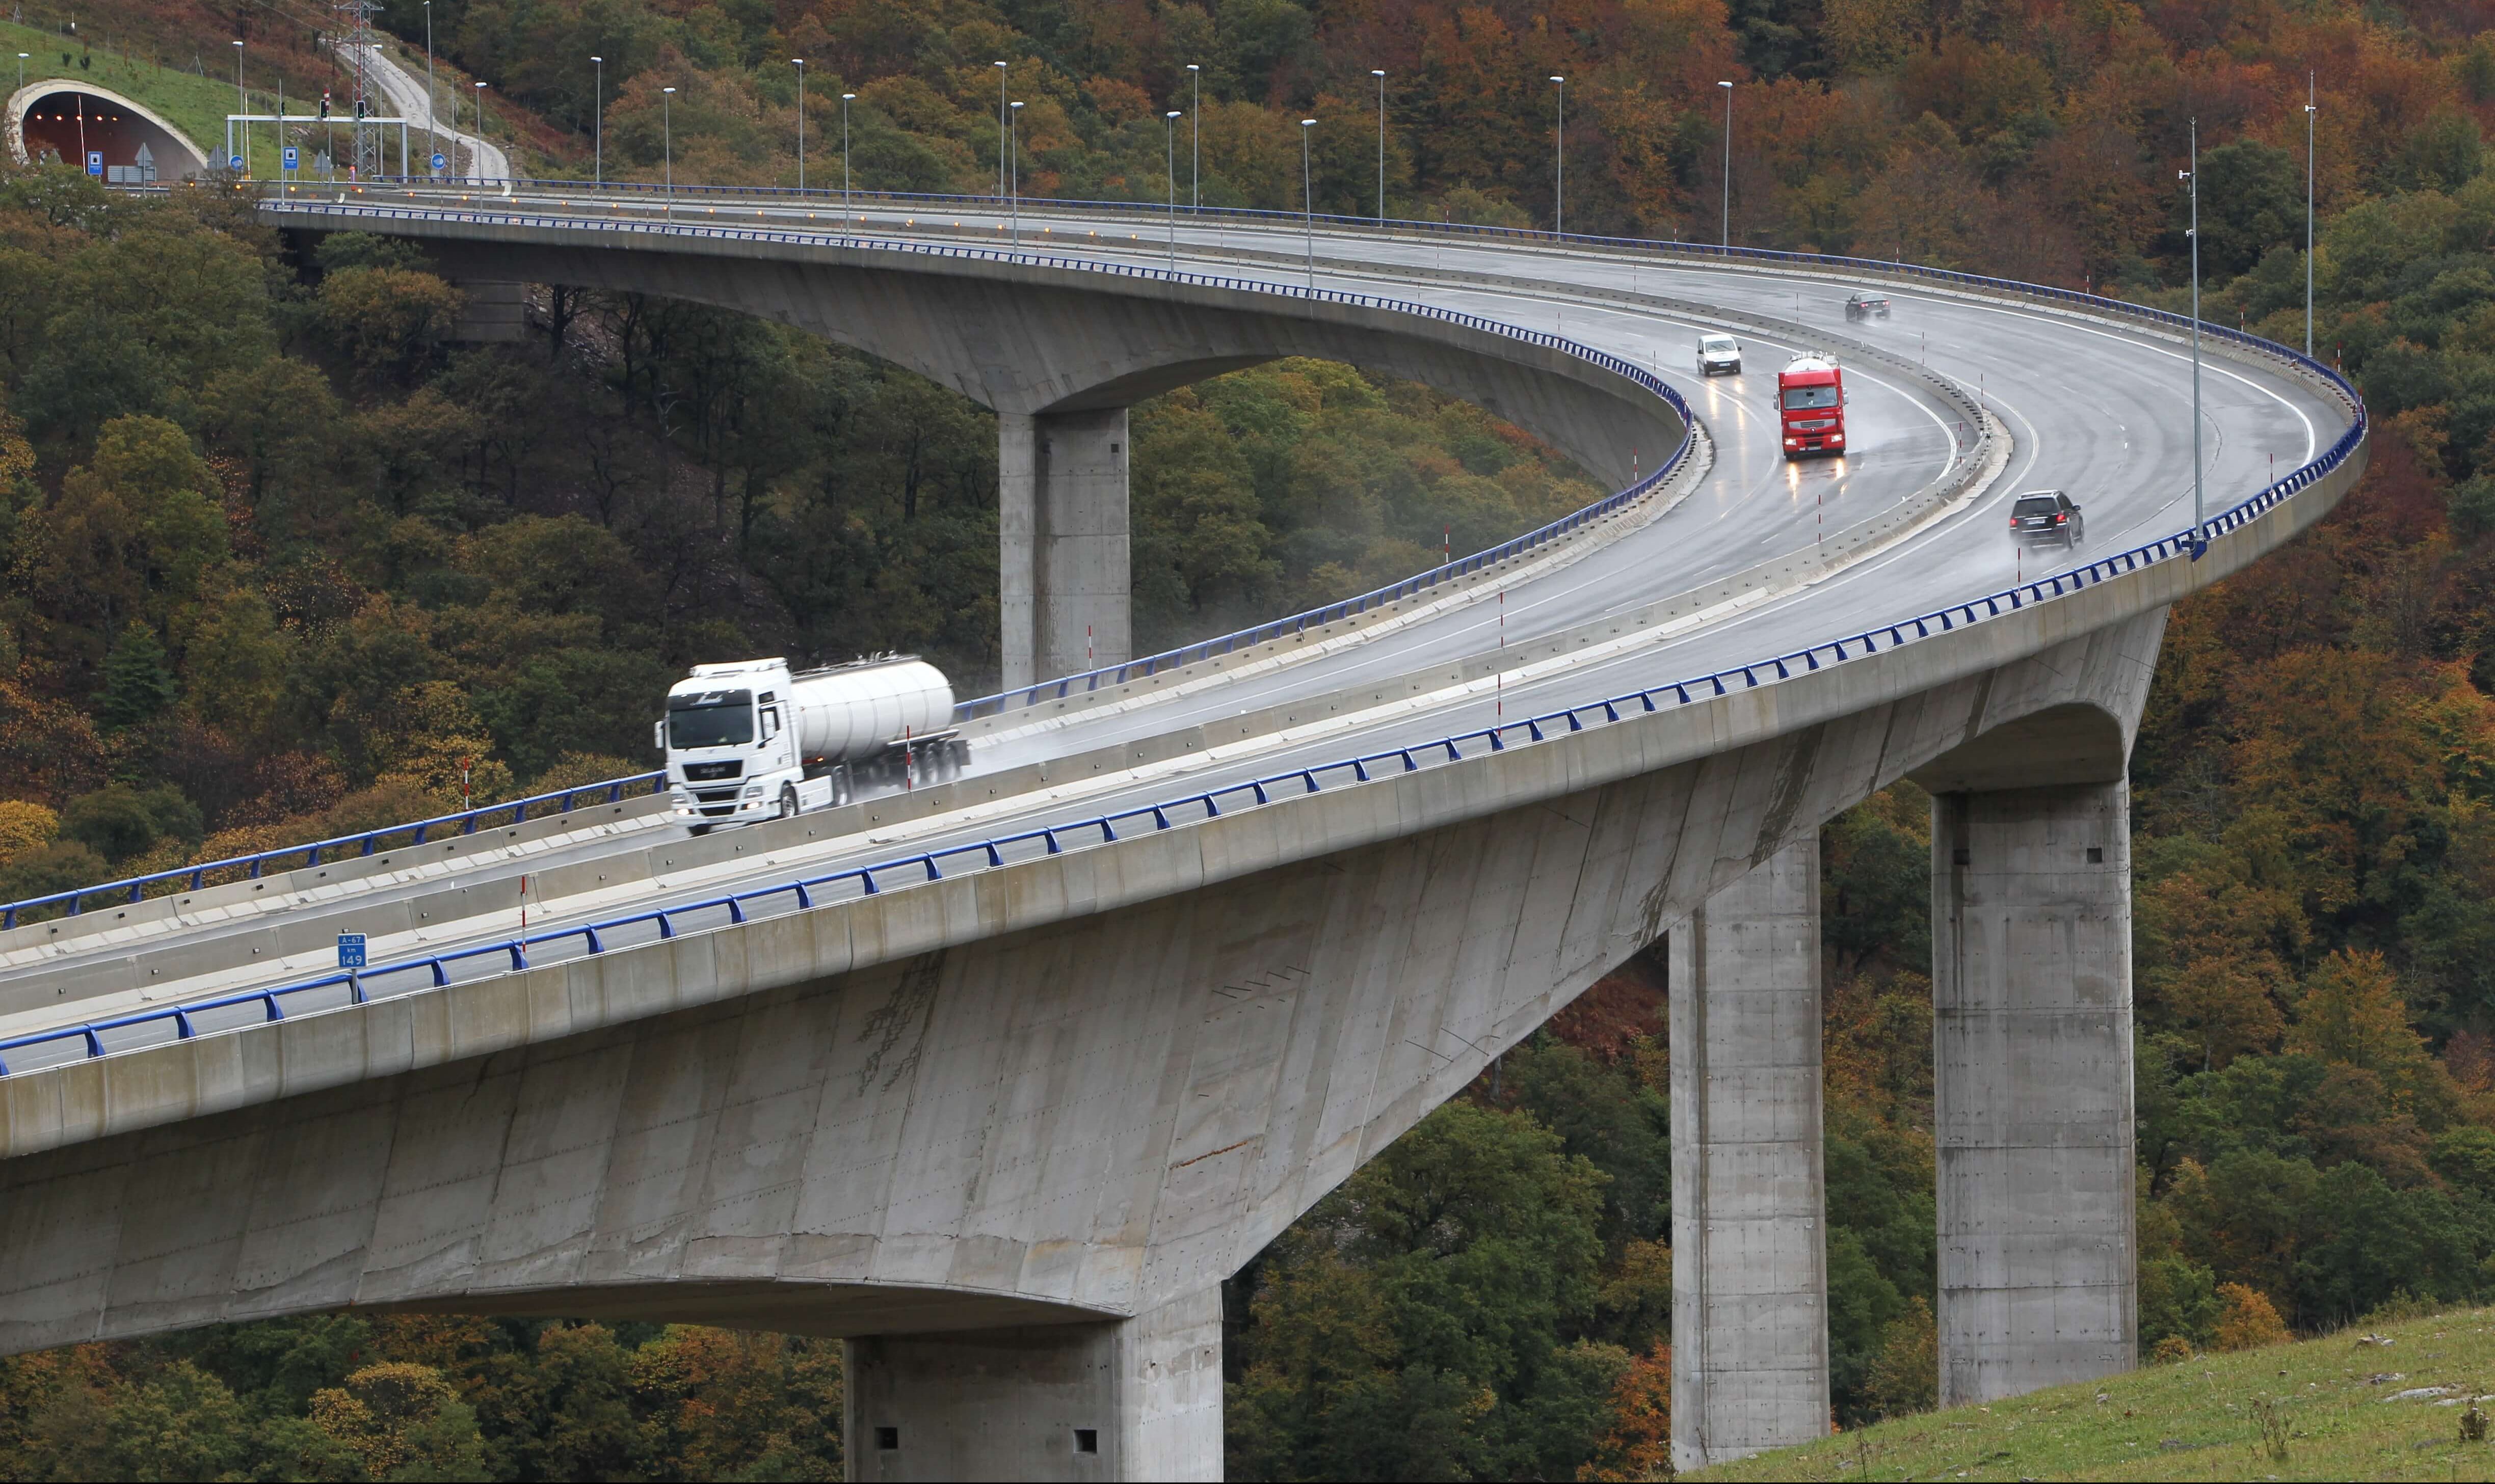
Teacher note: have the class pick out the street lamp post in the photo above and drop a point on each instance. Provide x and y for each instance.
(241, 106)
(799, 63)
(668, 142)
(1013, 170)
(1169, 156)
(432, 100)
(481, 131)
(2308, 214)
(21, 71)
(846, 99)
(2193, 176)
(1380, 75)
(1308, 202)
(598, 102)
(1728, 163)
(1005, 122)
(1195, 139)
(1559, 165)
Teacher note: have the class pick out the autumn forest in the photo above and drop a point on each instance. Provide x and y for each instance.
(276, 554)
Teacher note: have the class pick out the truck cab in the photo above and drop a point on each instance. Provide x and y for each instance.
(731, 753)
(1810, 406)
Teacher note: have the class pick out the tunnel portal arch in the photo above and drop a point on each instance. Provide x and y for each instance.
(69, 120)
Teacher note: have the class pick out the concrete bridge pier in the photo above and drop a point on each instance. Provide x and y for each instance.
(1131, 1399)
(492, 312)
(2032, 1058)
(1749, 1249)
(1063, 539)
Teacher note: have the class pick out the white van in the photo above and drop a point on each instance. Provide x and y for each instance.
(1719, 356)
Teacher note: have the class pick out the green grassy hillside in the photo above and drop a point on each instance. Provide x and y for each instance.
(2345, 1408)
(196, 104)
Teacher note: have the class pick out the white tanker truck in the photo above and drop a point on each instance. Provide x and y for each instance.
(754, 739)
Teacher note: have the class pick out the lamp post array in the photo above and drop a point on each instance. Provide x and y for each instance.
(1169, 158)
(1308, 202)
(1005, 122)
(2192, 176)
(1195, 138)
(1009, 183)
(2309, 110)
(1728, 163)
(598, 105)
(1380, 75)
(1559, 163)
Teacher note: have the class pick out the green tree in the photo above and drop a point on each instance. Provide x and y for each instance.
(137, 687)
(393, 322)
(1412, 1325)
(132, 537)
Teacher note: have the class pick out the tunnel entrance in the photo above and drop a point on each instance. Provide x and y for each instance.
(73, 122)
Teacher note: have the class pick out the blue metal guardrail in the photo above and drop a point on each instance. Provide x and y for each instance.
(1144, 214)
(191, 878)
(801, 894)
(260, 1005)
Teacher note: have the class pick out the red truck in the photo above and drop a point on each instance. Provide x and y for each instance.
(1811, 399)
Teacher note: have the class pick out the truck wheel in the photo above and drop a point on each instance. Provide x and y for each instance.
(787, 801)
(697, 830)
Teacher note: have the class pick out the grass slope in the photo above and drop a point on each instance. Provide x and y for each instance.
(196, 106)
(2349, 1409)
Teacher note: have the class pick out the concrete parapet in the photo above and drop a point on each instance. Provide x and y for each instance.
(1749, 1250)
(2032, 1057)
(1131, 1399)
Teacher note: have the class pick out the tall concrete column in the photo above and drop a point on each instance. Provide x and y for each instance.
(491, 313)
(1134, 1399)
(1063, 543)
(2032, 1061)
(1749, 1249)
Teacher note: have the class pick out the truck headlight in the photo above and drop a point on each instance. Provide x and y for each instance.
(753, 791)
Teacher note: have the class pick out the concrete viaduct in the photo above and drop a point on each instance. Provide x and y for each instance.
(1008, 1131)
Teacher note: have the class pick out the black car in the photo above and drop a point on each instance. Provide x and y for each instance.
(1860, 307)
(2047, 518)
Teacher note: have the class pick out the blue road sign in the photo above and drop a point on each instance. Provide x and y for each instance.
(289, 157)
(350, 950)
(95, 162)
(441, 162)
(234, 161)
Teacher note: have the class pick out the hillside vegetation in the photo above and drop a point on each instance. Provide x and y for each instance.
(277, 556)
(2386, 1401)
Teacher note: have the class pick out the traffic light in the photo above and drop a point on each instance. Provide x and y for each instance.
(324, 102)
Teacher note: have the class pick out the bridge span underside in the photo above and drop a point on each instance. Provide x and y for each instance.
(1008, 1125)
(1054, 1141)
(1061, 355)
